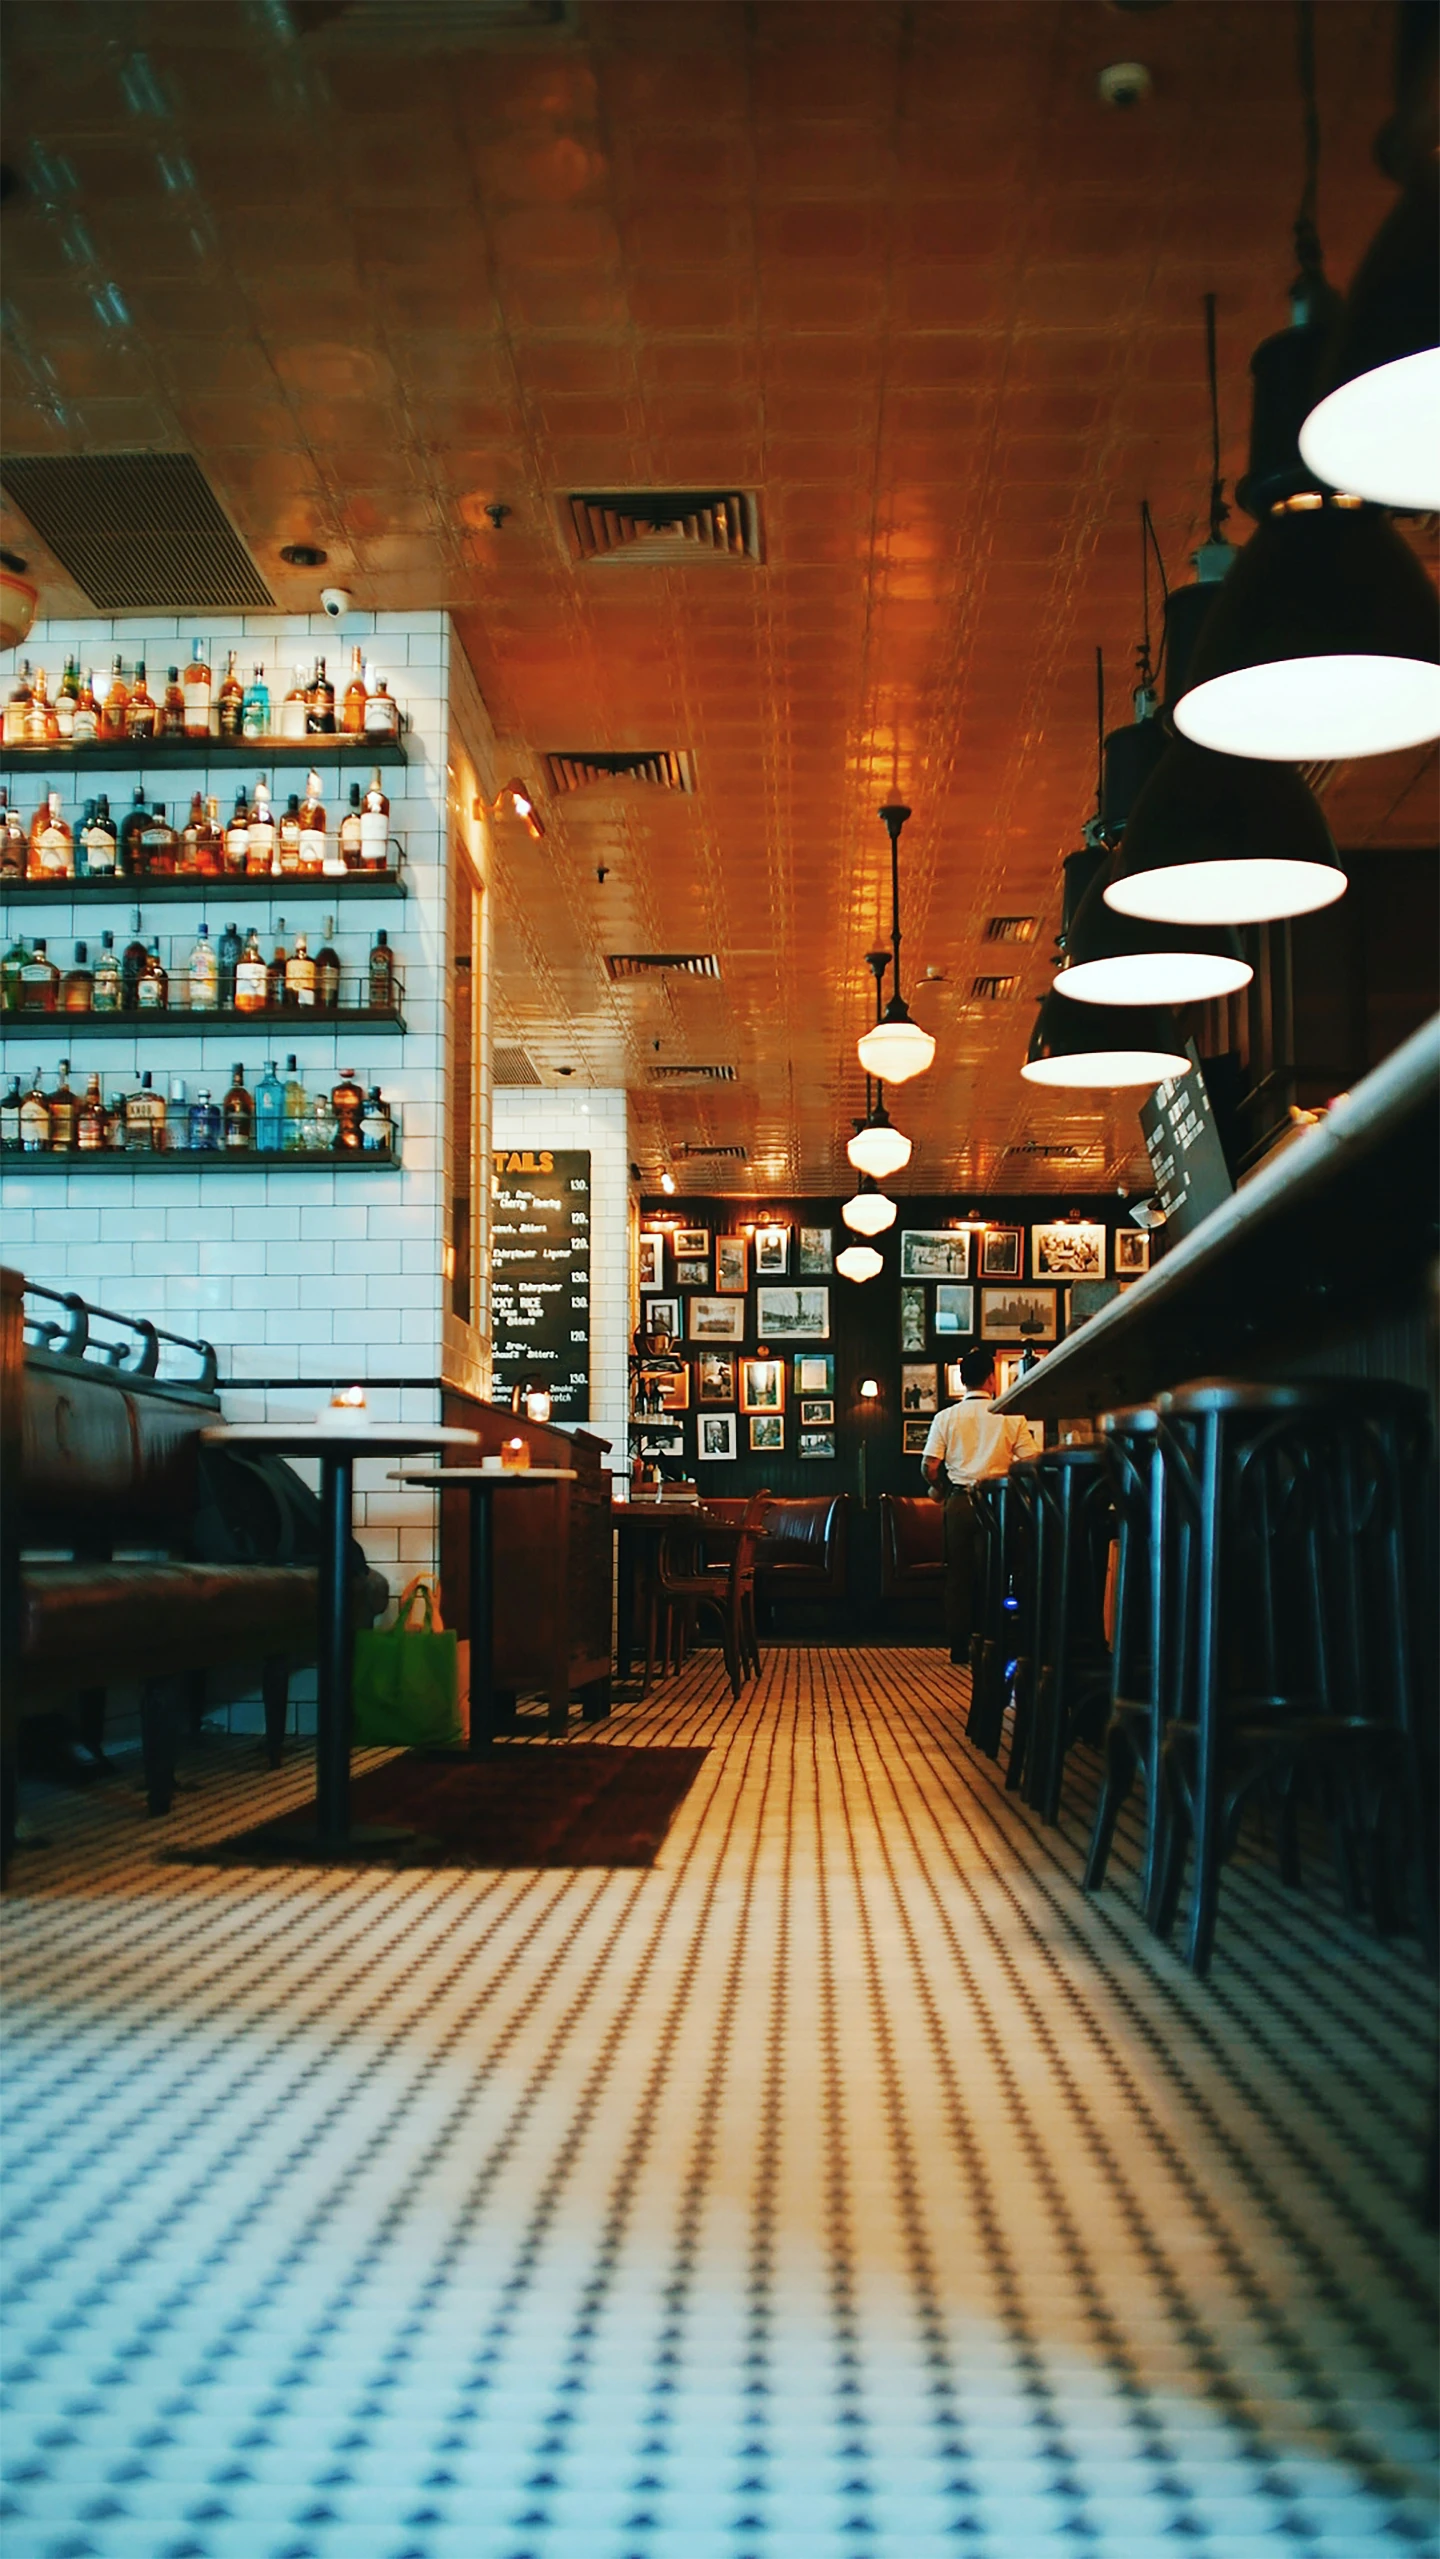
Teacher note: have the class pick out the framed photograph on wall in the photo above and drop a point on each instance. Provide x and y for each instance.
(919, 1388)
(1007, 1370)
(652, 1257)
(717, 1319)
(691, 1274)
(732, 1264)
(1132, 1252)
(1002, 1252)
(817, 1250)
(954, 1308)
(659, 1439)
(814, 1372)
(715, 1377)
(912, 1319)
(715, 1435)
(662, 1315)
(913, 1436)
(792, 1314)
(934, 1252)
(817, 1412)
(690, 1243)
(816, 1444)
(1072, 1249)
(772, 1252)
(762, 1387)
(954, 1381)
(767, 1430)
(673, 1388)
(1017, 1314)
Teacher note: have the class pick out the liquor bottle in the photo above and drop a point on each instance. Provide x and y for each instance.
(39, 982)
(295, 1106)
(287, 837)
(177, 1118)
(77, 986)
(269, 1111)
(353, 717)
(159, 846)
(382, 716)
(275, 972)
(100, 851)
(260, 850)
(320, 709)
(204, 1123)
(300, 977)
(10, 968)
(210, 843)
(17, 707)
(90, 1120)
(231, 705)
(140, 711)
(312, 827)
(41, 726)
(132, 827)
(255, 709)
(237, 839)
(132, 963)
(10, 1118)
(327, 971)
(190, 833)
(375, 827)
(115, 1123)
(64, 1111)
(350, 831)
(152, 986)
(107, 977)
(377, 1129)
(382, 974)
(66, 698)
(239, 1111)
(349, 1105)
(14, 842)
(52, 846)
(228, 956)
(250, 990)
(172, 708)
(197, 686)
(321, 1125)
(144, 1118)
(34, 1119)
(294, 710)
(204, 974)
(86, 726)
(115, 706)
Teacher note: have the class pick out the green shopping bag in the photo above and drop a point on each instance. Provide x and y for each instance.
(405, 1685)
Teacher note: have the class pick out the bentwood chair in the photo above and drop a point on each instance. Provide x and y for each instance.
(728, 1592)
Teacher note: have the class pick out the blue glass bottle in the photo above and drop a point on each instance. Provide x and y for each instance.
(269, 1111)
(255, 709)
(204, 1124)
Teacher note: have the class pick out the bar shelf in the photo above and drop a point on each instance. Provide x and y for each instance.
(180, 1022)
(181, 1159)
(200, 887)
(204, 754)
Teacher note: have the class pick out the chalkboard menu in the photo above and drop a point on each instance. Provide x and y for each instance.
(1186, 1157)
(540, 1274)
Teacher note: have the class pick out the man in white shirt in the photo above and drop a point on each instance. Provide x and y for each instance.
(969, 1442)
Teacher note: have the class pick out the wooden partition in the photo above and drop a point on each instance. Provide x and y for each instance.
(553, 1578)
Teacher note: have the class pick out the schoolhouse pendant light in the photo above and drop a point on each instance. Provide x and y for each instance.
(896, 1048)
(1223, 839)
(1102, 1047)
(877, 1147)
(861, 1261)
(869, 1212)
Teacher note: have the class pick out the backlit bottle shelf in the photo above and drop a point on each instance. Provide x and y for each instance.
(181, 1024)
(201, 754)
(109, 1161)
(198, 888)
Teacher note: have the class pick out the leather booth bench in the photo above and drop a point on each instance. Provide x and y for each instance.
(912, 1547)
(103, 1577)
(805, 1549)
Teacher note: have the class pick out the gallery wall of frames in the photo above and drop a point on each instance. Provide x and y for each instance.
(774, 1345)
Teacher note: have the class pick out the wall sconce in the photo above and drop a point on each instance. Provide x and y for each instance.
(869, 1389)
(869, 1398)
(522, 805)
(667, 1184)
(538, 1403)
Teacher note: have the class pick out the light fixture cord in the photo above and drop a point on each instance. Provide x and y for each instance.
(1149, 541)
(1099, 729)
(1219, 511)
(1308, 253)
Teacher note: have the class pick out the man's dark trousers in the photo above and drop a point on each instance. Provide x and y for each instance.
(964, 1565)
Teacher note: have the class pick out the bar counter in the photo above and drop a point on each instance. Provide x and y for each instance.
(1318, 1263)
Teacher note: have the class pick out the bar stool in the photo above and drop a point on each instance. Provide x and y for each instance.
(1293, 1504)
(1027, 1578)
(1141, 1674)
(990, 1640)
(1075, 1522)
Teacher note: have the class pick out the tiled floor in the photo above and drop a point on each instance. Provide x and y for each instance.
(846, 2184)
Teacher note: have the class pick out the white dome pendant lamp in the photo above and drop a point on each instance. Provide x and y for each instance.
(877, 1147)
(859, 1262)
(896, 1048)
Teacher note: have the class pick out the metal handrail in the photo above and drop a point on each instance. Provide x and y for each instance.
(72, 1340)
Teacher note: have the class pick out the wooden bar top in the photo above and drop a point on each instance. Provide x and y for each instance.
(1343, 1219)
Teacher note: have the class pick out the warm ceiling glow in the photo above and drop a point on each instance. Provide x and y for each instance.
(1301, 710)
(1380, 434)
(1155, 977)
(878, 1152)
(895, 1051)
(869, 1213)
(860, 1262)
(1249, 892)
(667, 1182)
(1108, 1070)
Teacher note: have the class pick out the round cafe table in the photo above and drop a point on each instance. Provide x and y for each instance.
(336, 1445)
(482, 1483)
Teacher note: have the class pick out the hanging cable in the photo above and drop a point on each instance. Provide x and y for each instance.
(1308, 254)
(1219, 511)
(1149, 676)
(1099, 729)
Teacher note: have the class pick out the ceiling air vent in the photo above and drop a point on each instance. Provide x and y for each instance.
(1011, 928)
(513, 1066)
(1052, 1154)
(713, 1154)
(622, 964)
(426, 26)
(138, 532)
(692, 1074)
(993, 990)
(651, 527)
(658, 771)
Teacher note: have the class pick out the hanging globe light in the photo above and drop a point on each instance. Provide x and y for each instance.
(896, 1048)
(877, 1148)
(862, 1262)
(869, 1212)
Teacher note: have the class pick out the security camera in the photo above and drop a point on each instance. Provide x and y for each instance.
(1124, 84)
(336, 600)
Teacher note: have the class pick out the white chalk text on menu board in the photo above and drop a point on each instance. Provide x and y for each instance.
(540, 1274)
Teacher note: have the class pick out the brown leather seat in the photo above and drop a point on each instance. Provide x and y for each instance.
(154, 1620)
(912, 1546)
(803, 1551)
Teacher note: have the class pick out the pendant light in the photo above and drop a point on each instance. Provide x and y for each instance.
(869, 1212)
(896, 1048)
(861, 1261)
(1323, 644)
(1222, 839)
(1099, 1047)
(877, 1147)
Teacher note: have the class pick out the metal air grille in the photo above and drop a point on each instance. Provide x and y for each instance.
(692, 1074)
(651, 527)
(427, 26)
(714, 1154)
(658, 770)
(993, 990)
(623, 964)
(139, 532)
(1010, 928)
(513, 1066)
(1034, 1147)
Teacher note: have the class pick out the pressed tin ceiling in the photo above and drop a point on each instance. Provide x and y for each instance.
(891, 276)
